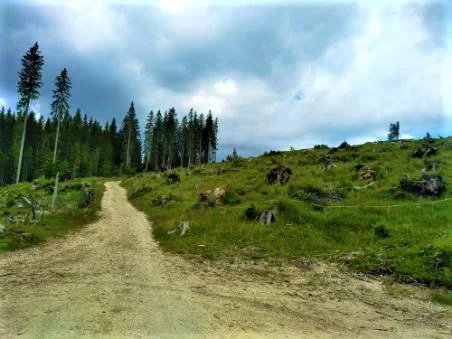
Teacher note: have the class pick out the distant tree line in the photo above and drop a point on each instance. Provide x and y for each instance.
(170, 143)
(76, 145)
(85, 148)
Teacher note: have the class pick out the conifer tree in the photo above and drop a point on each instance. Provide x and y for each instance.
(60, 104)
(131, 140)
(148, 135)
(28, 88)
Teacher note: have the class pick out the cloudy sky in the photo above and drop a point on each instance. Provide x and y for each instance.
(277, 74)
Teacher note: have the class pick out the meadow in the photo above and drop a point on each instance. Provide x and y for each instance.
(326, 211)
(20, 229)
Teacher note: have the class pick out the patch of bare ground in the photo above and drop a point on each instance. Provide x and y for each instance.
(111, 279)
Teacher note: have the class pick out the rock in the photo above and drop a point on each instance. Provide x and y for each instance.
(2, 229)
(267, 217)
(427, 185)
(216, 194)
(367, 174)
(279, 175)
(20, 205)
(172, 178)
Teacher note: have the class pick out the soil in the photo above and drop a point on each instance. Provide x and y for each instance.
(112, 280)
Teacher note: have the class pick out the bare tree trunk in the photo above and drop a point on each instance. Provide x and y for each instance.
(22, 143)
(128, 151)
(55, 191)
(56, 141)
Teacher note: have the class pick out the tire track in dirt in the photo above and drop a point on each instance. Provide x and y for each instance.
(111, 279)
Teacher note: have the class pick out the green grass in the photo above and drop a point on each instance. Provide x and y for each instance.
(411, 243)
(443, 298)
(66, 217)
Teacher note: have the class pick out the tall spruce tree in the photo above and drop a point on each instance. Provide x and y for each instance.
(60, 103)
(394, 131)
(28, 89)
(131, 140)
(148, 135)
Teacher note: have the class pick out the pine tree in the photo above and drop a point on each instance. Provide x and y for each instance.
(394, 131)
(157, 141)
(148, 135)
(131, 140)
(60, 105)
(28, 88)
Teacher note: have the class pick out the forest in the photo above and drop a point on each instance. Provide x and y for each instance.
(76, 145)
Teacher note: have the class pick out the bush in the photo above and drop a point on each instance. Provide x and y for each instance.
(251, 213)
(381, 231)
(231, 198)
(10, 203)
(344, 145)
(289, 211)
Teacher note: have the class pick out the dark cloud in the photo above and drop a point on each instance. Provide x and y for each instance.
(278, 59)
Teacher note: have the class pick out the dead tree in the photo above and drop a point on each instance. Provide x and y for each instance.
(30, 202)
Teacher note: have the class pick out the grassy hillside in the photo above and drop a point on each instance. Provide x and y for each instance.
(411, 241)
(21, 230)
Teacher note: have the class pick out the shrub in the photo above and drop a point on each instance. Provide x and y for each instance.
(272, 153)
(289, 211)
(10, 203)
(251, 213)
(231, 198)
(344, 145)
(381, 231)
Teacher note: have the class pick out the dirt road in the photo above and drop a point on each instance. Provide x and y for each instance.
(111, 280)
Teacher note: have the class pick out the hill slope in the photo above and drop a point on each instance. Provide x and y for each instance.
(327, 210)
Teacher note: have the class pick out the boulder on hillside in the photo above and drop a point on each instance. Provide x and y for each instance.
(368, 174)
(216, 195)
(279, 175)
(427, 185)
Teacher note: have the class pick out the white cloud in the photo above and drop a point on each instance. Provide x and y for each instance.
(172, 6)
(89, 26)
(227, 87)
(386, 75)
